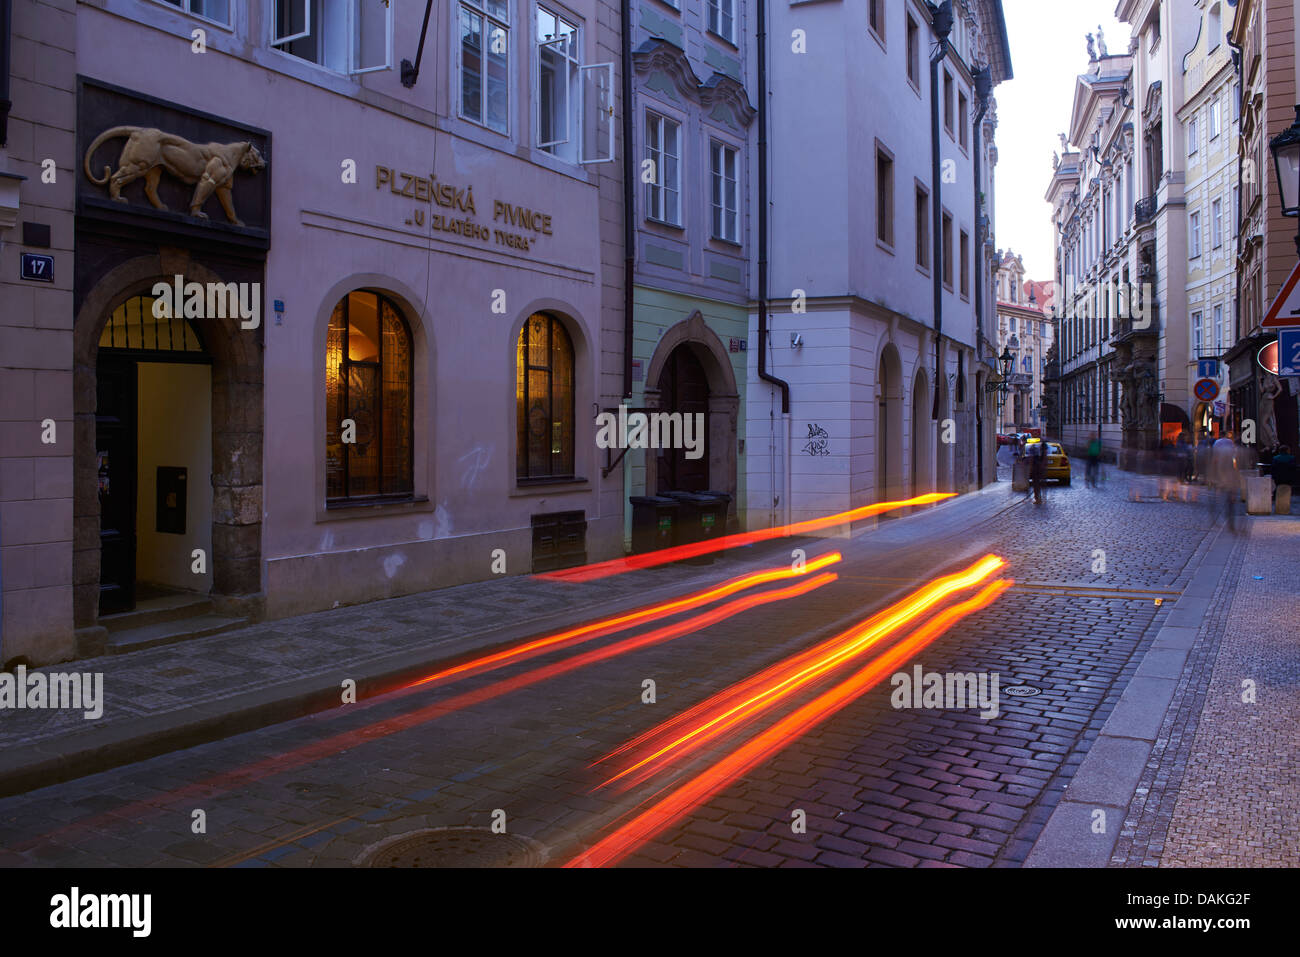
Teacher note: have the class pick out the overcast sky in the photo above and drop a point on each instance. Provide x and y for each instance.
(1049, 49)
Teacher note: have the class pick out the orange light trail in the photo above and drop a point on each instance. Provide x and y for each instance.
(327, 747)
(617, 566)
(709, 782)
(606, 626)
(746, 700)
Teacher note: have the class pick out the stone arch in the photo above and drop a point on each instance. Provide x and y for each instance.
(889, 424)
(722, 421)
(237, 426)
(424, 353)
(585, 393)
(920, 444)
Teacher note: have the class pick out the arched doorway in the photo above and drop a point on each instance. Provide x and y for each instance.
(920, 445)
(153, 456)
(889, 425)
(684, 390)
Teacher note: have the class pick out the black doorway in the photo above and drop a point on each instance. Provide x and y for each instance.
(684, 388)
(115, 457)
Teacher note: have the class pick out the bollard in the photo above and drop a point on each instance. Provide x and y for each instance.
(1259, 495)
(1284, 499)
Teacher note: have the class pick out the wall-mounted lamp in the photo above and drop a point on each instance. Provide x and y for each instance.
(796, 340)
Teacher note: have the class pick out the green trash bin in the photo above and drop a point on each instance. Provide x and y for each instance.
(690, 527)
(713, 516)
(654, 521)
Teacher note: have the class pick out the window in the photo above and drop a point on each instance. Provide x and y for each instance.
(1216, 223)
(544, 400)
(1198, 335)
(1194, 234)
(1216, 28)
(1218, 330)
(218, 11)
(884, 197)
(349, 36)
(947, 101)
(1214, 119)
(965, 266)
(946, 236)
(368, 400)
(726, 218)
(913, 52)
(722, 19)
(876, 17)
(485, 63)
(922, 228)
(558, 62)
(961, 119)
(1193, 137)
(663, 193)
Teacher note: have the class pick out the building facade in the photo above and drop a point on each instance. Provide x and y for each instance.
(1263, 36)
(1209, 118)
(861, 389)
(357, 360)
(1025, 330)
(694, 136)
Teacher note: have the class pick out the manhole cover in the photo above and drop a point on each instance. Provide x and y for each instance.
(922, 747)
(455, 847)
(1022, 691)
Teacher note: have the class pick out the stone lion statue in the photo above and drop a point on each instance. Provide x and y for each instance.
(210, 167)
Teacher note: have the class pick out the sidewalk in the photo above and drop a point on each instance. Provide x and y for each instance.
(177, 696)
(1187, 772)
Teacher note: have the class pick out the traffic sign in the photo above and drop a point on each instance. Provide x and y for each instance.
(1207, 368)
(1285, 309)
(1288, 352)
(1207, 390)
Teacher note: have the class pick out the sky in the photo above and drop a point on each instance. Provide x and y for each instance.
(1049, 48)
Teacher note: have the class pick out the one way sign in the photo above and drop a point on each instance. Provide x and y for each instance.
(1285, 310)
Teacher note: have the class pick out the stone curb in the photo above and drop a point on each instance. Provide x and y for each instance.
(1109, 775)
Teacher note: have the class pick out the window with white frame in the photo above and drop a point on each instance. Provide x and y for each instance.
(218, 11)
(349, 36)
(1214, 119)
(663, 152)
(1198, 335)
(1216, 222)
(1218, 330)
(1192, 136)
(1194, 234)
(485, 63)
(558, 91)
(722, 19)
(726, 215)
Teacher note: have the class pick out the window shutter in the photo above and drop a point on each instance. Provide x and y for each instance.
(292, 21)
(597, 81)
(371, 35)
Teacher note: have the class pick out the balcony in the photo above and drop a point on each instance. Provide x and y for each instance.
(1144, 210)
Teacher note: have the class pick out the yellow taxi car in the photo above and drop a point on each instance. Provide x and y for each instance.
(1058, 463)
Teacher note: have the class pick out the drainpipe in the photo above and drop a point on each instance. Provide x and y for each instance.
(1236, 273)
(941, 21)
(6, 65)
(983, 89)
(629, 212)
(762, 252)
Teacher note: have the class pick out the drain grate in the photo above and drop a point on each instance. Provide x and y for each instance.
(455, 847)
(922, 747)
(1022, 691)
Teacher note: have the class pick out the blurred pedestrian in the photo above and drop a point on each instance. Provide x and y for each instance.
(1038, 471)
(1094, 462)
(1225, 486)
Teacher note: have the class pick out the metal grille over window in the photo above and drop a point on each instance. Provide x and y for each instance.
(134, 326)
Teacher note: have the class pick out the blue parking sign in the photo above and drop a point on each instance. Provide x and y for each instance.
(1288, 352)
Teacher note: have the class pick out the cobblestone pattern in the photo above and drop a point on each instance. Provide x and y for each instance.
(1142, 839)
(1239, 803)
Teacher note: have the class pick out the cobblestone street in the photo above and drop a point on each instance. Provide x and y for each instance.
(876, 785)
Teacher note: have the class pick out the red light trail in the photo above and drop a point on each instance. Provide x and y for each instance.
(715, 778)
(743, 702)
(617, 566)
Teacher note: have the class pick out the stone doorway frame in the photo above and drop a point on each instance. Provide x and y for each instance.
(237, 430)
(722, 419)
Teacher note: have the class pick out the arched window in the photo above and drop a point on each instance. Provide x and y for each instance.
(368, 405)
(544, 400)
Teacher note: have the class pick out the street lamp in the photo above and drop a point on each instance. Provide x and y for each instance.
(1286, 160)
(1005, 362)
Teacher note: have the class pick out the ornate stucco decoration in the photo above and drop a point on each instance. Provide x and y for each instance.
(658, 58)
(148, 153)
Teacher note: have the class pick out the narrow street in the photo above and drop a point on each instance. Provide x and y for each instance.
(877, 785)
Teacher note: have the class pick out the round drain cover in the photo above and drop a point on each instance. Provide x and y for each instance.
(1022, 691)
(455, 847)
(922, 747)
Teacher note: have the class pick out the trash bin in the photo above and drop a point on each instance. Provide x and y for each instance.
(1020, 474)
(713, 516)
(690, 527)
(654, 518)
